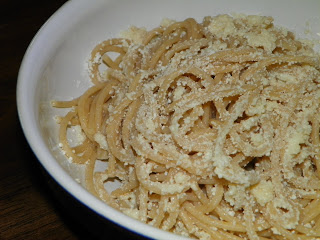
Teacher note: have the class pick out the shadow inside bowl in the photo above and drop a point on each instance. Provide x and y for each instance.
(84, 222)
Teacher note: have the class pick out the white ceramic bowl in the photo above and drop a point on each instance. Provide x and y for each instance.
(54, 68)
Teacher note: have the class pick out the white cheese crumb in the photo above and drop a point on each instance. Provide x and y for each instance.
(263, 192)
(101, 140)
(136, 35)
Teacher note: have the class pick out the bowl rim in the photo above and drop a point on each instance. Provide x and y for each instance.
(27, 114)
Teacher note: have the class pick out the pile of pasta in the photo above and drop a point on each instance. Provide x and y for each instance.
(211, 129)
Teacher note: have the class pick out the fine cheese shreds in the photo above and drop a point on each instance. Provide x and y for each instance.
(263, 192)
(136, 35)
(218, 119)
(250, 28)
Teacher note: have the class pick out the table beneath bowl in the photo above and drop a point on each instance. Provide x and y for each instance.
(33, 205)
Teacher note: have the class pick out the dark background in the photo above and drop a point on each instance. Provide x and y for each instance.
(32, 205)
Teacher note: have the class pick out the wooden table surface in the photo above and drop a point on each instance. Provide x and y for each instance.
(32, 205)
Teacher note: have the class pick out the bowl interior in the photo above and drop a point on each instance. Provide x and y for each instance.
(54, 68)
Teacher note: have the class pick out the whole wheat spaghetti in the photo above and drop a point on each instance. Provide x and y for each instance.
(212, 128)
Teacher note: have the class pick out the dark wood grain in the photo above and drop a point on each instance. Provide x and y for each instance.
(32, 204)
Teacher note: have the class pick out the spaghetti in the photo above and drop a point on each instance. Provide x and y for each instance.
(211, 129)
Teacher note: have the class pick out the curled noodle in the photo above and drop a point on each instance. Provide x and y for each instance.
(212, 135)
